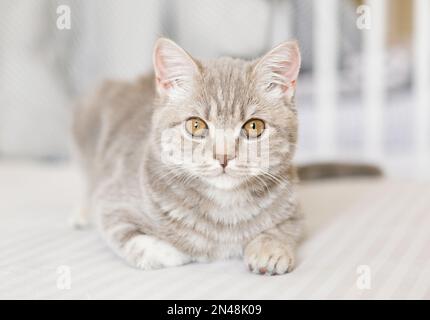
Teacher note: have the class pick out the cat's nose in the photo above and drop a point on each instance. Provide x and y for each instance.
(223, 159)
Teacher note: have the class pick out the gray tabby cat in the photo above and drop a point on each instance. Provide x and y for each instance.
(196, 164)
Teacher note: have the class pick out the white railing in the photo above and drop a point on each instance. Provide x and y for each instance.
(325, 73)
(326, 50)
(373, 83)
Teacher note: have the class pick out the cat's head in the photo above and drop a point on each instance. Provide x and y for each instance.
(225, 121)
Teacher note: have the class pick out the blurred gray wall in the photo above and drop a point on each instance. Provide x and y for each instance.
(43, 69)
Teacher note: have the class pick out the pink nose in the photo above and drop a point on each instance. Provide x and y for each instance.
(223, 160)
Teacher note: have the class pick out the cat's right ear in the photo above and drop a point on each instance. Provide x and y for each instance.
(277, 70)
(174, 67)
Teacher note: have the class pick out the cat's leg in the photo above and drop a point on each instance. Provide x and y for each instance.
(126, 236)
(273, 251)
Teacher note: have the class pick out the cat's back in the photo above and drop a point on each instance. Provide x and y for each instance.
(111, 118)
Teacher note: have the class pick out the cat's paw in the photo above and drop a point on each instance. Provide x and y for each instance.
(147, 253)
(265, 255)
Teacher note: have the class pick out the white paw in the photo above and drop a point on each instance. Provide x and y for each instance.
(147, 252)
(79, 218)
(265, 255)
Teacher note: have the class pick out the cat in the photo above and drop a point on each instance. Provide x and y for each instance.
(205, 201)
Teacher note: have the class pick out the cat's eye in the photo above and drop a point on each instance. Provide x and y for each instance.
(253, 128)
(196, 127)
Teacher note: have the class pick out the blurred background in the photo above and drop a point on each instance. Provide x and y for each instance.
(362, 93)
(363, 96)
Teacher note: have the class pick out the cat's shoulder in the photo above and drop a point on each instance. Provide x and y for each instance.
(116, 97)
(115, 107)
(141, 88)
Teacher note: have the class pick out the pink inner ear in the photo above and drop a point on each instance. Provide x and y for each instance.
(290, 71)
(283, 63)
(289, 68)
(173, 67)
(160, 71)
(164, 85)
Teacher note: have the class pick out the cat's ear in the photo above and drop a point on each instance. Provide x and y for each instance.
(277, 71)
(174, 67)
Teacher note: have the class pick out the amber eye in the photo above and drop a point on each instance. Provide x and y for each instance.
(253, 128)
(196, 127)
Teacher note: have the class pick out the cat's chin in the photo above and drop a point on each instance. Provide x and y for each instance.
(224, 181)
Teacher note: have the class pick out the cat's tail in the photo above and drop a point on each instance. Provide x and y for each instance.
(326, 170)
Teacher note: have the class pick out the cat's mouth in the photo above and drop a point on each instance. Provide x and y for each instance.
(224, 181)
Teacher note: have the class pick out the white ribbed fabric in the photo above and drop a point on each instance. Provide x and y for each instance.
(381, 225)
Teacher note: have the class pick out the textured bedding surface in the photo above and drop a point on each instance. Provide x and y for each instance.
(366, 238)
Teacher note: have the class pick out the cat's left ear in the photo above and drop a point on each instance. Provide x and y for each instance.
(174, 68)
(277, 71)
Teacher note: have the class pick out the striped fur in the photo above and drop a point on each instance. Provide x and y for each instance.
(144, 206)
